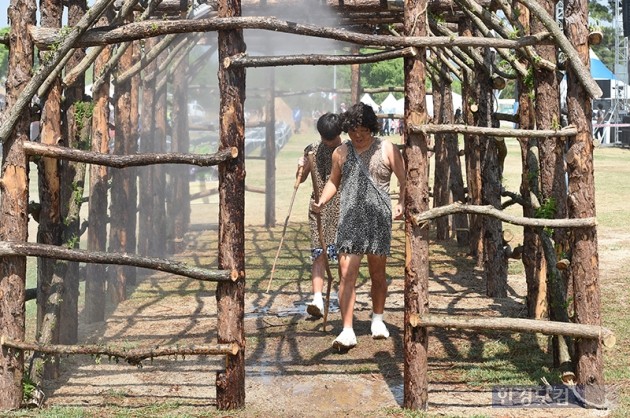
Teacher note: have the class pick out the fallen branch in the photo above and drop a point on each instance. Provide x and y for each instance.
(602, 334)
(132, 356)
(503, 132)
(122, 161)
(29, 249)
(422, 218)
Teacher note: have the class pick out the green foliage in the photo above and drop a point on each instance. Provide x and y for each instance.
(602, 16)
(28, 388)
(548, 209)
(4, 56)
(383, 74)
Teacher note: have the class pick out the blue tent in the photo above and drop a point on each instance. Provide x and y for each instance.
(598, 70)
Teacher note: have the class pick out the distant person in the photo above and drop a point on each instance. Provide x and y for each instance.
(297, 120)
(329, 128)
(361, 172)
(599, 130)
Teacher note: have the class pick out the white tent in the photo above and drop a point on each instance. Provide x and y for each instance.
(367, 99)
(457, 104)
(389, 105)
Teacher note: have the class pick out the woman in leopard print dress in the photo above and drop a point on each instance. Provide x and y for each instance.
(329, 128)
(361, 171)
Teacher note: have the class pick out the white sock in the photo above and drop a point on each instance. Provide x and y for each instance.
(377, 317)
(317, 296)
(347, 329)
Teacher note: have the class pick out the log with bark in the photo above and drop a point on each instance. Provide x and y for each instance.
(606, 336)
(133, 356)
(502, 132)
(28, 249)
(122, 161)
(489, 210)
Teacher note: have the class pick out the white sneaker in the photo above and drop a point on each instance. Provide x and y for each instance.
(315, 308)
(346, 340)
(379, 330)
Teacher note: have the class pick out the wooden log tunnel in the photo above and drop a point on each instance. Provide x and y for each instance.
(358, 23)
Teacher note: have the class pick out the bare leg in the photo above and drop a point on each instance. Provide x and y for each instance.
(349, 271)
(376, 266)
(318, 271)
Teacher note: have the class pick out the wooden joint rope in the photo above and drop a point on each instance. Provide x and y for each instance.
(133, 356)
(605, 335)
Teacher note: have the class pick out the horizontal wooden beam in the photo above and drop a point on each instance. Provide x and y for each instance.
(44, 38)
(122, 161)
(606, 336)
(315, 59)
(30, 249)
(502, 132)
(133, 356)
(420, 219)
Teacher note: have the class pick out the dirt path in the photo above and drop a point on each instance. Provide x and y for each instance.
(291, 368)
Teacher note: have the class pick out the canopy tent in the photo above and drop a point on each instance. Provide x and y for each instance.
(599, 71)
(367, 99)
(390, 104)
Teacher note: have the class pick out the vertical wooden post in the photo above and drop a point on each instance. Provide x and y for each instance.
(146, 174)
(179, 213)
(442, 113)
(270, 152)
(97, 212)
(76, 127)
(581, 204)
(120, 191)
(495, 261)
(158, 242)
(417, 238)
(231, 296)
(470, 98)
(131, 174)
(14, 205)
(49, 282)
(552, 173)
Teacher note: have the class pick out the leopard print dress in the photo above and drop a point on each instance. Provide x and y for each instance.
(365, 218)
(330, 211)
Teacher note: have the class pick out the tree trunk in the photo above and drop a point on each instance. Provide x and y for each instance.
(417, 200)
(551, 159)
(533, 259)
(97, 213)
(131, 148)
(158, 243)
(442, 113)
(120, 189)
(230, 382)
(581, 203)
(50, 286)
(14, 204)
(178, 209)
(495, 261)
(146, 174)
(73, 180)
(471, 152)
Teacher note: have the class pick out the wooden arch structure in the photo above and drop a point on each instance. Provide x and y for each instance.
(462, 36)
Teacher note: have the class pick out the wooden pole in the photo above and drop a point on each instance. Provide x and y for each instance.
(286, 222)
(593, 332)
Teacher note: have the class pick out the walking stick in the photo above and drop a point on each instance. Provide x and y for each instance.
(318, 218)
(286, 222)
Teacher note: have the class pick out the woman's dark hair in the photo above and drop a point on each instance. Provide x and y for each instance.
(329, 125)
(360, 114)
